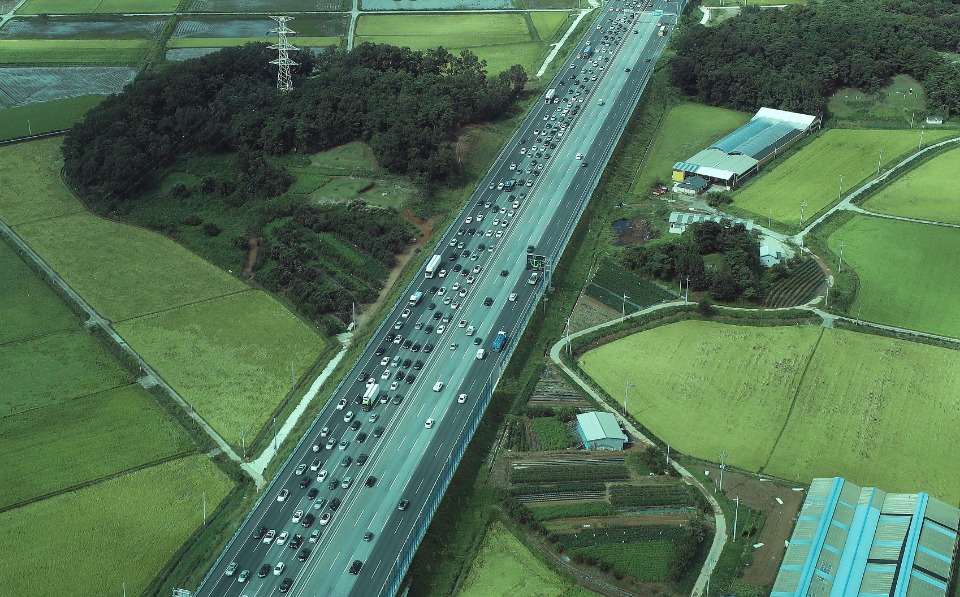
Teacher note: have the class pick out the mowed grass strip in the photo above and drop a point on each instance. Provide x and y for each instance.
(94, 436)
(926, 193)
(30, 184)
(28, 307)
(684, 131)
(54, 368)
(681, 371)
(122, 270)
(229, 358)
(73, 51)
(60, 7)
(504, 566)
(812, 175)
(223, 42)
(907, 272)
(121, 531)
(548, 23)
(879, 410)
(55, 115)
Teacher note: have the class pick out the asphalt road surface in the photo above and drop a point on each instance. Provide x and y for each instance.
(408, 459)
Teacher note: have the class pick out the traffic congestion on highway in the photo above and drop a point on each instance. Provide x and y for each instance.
(345, 507)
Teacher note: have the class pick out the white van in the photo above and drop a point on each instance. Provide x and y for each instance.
(481, 354)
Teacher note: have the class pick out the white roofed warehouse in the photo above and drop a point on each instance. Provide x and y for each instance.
(600, 431)
(743, 152)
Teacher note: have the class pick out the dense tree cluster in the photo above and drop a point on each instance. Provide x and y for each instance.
(739, 276)
(405, 104)
(795, 58)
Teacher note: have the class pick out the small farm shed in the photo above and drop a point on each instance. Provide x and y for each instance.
(600, 431)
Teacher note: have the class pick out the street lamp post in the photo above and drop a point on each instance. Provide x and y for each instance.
(921, 136)
(623, 308)
(626, 395)
(879, 160)
(840, 265)
(803, 206)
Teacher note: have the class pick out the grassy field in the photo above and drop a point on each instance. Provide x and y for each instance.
(55, 115)
(548, 24)
(53, 368)
(90, 430)
(923, 193)
(704, 387)
(906, 274)
(646, 561)
(899, 102)
(502, 39)
(33, 170)
(553, 434)
(505, 566)
(685, 130)
(73, 51)
(229, 357)
(29, 307)
(813, 173)
(355, 154)
(36, 7)
(120, 531)
(223, 42)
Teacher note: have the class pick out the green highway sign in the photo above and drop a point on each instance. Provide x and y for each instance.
(537, 262)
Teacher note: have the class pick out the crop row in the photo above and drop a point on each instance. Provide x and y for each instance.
(551, 474)
(594, 537)
(649, 495)
(797, 287)
(619, 281)
(519, 490)
(564, 496)
(645, 561)
(572, 510)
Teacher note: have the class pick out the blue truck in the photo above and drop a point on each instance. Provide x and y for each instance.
(499, 341)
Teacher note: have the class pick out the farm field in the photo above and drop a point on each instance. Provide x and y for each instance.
(223, 42)
(25, 85)
(704, 387)
(264, 6)
(60, 7)
(204, 26)
(504, 566)
(548, 24)
(73, 51)
(898, 102)
(105, 523)
(813, 173)
(72, 364)
(74, 28)
(28, 308)
(229, 357)
(920, 192)
(54, 115)
(685, 130)
(905, 270)
(89, 429)
(434, 4)
(611, 282)
(501, 39)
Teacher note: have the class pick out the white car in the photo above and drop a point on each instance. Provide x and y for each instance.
(496, 221)
(468, 220)
(385, 374)
(282, 538)
(579, 156)
(394, 385)
(315, 536)
(441, 328)
(331, 443)
(297, 516)
(429, 423)
(405, 314)
(300, 469)
(479, 217)
(438, 386)
(315, 465)
(471, 330)
(442, 273)
(499, 233)
(268, 538)
(471, 279)
(463, 292)
(462, 324)
(283, 495)
(456, 286)
(384, 361)
(348, 417)
(477, 269)
(442, 291)
(322, 475)
(325, 432)
(461, 398)
(342, 404)
(512, 297)
(324, 519)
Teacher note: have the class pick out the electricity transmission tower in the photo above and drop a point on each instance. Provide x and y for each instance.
(283, 62)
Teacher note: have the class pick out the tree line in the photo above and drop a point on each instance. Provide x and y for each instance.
(405, 104)
(795, 58)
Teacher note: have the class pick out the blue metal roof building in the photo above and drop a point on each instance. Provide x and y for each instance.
(852, 541)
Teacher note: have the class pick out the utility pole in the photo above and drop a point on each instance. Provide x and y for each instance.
(723, 465)
(568, 336)
(841, 187)
(840, 265)
(921, 136)
(204, 508)
(623, 309)
(686, 298)
(243, 442)
(275, 446)
(879, 160)
(626, 394)
(803, 206)
(736, 514)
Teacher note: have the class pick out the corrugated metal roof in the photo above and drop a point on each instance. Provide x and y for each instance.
(598, 425)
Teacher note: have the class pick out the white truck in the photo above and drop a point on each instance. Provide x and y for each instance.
(415, 299)
(548, 99)
(432, 266)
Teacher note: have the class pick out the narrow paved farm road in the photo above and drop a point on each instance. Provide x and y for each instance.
(9, 15)
(563, 40)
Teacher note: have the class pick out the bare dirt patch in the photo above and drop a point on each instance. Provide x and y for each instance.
(633, 232)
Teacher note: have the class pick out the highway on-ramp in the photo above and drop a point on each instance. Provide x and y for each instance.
(404, 460)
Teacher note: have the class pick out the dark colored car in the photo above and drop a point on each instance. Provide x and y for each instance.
(355, 567)
(481, 247)
(286, 584)
(411, 378)
(418, 365)
(312, 494)
(259, 533)
(368, 536)
(362, 459)
(457, 267)
(363, 376)
(504, 273)
(415, 347)
(355, 425)
(334, 504)
(428, 348)
(308, 520)
(403, 505)
(530, 249)
(407, 343)
(432, 306)
(487, 301)
(380, 350)
(346, 461)
(361, 437)
(437, 315)
(406, 363)
(304, 554)
(378, 432)
(397, 400)
(333, 484)
(304, 482)
(264, 570)
(371, 481)
(296, 542)
(399, 376)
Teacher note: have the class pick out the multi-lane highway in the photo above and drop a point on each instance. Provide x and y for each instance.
(391, 454)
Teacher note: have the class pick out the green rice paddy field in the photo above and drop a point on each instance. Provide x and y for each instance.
(36, 7)
(685, 130)
(907, 272)
(223, 42)
(502, 39)
(120, 531)
(73, 51)
(813, 173)
(927, 193)
(28, 308)
(55, 115)
(504, 566)
(795, 402)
